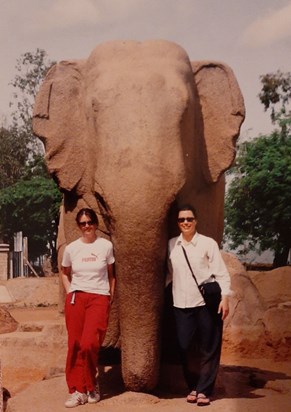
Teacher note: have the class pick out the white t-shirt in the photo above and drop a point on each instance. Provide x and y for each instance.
(89, 265)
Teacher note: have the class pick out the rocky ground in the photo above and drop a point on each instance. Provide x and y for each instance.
(252, 384)
(33, 358)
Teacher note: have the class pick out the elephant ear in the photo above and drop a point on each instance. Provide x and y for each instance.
(222, 113)
(59, 121)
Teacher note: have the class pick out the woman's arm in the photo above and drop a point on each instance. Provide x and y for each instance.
(66, 277)
(218, 269)
(112, 279)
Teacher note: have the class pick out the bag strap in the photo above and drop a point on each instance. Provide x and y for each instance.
(194, 277)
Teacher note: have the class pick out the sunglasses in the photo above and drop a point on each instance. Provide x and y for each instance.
(187, 219)
(83, 224)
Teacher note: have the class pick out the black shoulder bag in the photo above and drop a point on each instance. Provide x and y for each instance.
(209, 289)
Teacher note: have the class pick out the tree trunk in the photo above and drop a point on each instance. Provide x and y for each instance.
(281, 257)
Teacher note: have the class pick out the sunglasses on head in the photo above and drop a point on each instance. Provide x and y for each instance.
(83, 224)
(187, 219)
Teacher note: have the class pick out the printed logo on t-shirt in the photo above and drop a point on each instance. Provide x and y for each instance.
(91, 258)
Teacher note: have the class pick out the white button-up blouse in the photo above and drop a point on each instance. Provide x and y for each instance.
(205, 260)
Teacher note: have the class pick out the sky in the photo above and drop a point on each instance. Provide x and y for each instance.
(252, 36)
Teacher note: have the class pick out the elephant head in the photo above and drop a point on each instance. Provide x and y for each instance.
(127, 132)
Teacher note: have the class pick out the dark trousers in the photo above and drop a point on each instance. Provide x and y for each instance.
(199, 333)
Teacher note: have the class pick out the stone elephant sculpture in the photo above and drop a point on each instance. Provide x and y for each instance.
(130, 131)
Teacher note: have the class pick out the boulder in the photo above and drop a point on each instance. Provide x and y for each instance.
(7, 322)
(42, 291)
(260, 311)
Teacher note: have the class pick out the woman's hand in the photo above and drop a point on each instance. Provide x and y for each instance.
(66, 278)
(223, 307)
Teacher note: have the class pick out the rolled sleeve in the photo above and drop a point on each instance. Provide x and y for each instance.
(66, 261)
(110, 256)
(219, 269)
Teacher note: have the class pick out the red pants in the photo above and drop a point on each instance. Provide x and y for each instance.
(86, 321)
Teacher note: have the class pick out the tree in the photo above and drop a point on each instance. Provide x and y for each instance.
(31, 68)
(258, 202)
(31, 206)
(20, 150)
(276, 89)
(29, 199)
(275, 96)
(13, 157)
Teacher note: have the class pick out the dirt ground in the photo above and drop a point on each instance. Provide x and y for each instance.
(243, 384)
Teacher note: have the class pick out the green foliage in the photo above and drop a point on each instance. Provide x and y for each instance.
(31, 68)
(258, 201)
(20, 150)
(13, 157)
(275, 95)
(29, 198)
(31, 206)
(16, 160)
(276, 89)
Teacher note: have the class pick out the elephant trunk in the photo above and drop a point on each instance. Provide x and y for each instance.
(140, 283)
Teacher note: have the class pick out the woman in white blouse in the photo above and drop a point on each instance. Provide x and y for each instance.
(199, 329)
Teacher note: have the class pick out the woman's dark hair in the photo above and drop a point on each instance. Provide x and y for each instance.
(187, 207)
(87, 212)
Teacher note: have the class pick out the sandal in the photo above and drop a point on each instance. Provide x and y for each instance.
(192, 397)
(202, 400)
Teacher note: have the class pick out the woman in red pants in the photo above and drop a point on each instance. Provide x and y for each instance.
(88, 278)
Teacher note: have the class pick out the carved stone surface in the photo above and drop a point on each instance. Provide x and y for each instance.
(260, 310)
(7, 322)
(130, 132)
